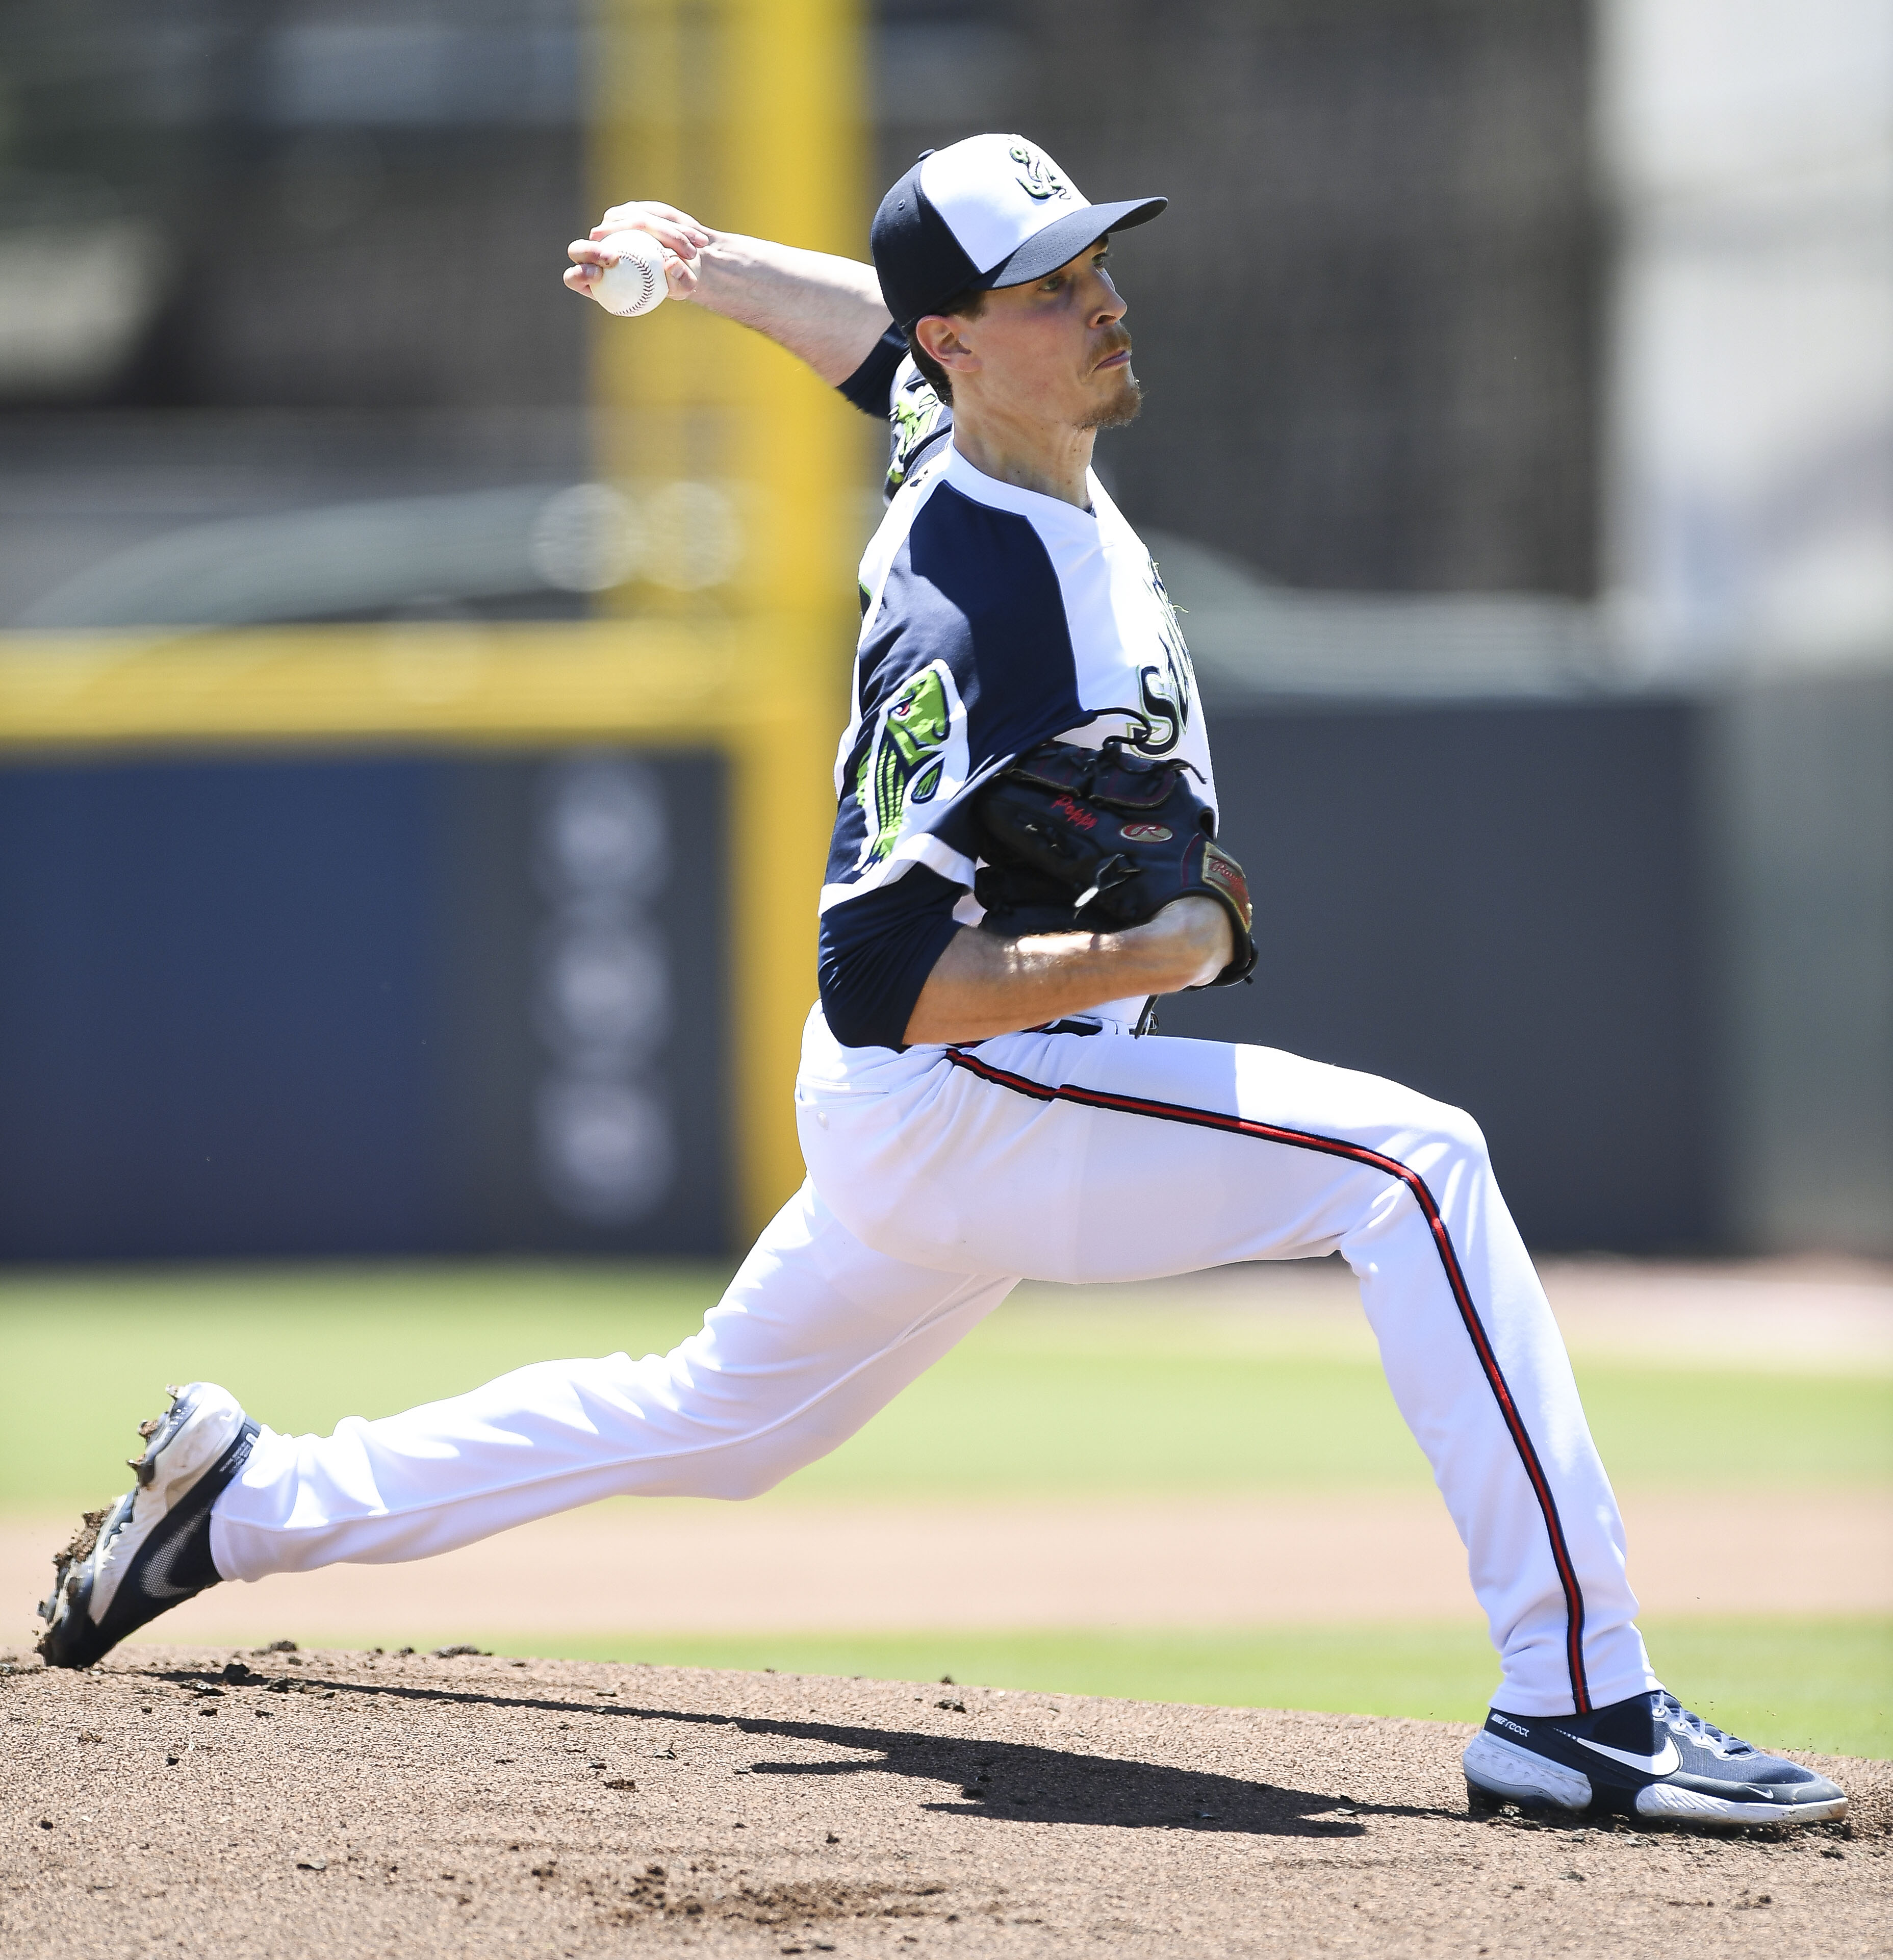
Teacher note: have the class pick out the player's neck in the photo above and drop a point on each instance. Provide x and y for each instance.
(1052, 460)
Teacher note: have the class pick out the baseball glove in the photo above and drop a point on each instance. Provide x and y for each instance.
(1096, 840)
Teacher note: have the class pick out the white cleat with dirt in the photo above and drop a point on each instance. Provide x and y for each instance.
(151, 1551)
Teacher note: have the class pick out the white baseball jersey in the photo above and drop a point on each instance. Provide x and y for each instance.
(993, 619)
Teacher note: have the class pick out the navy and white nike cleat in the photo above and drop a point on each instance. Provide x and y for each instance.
(1646, 1757)
(152, 1550)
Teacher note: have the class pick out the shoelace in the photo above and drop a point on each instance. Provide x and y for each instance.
(1687, 1722)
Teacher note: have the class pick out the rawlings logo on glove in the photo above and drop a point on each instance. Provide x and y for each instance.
(1098, 840)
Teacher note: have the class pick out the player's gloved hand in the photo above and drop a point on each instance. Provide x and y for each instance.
(1098, 840)
(680, 235)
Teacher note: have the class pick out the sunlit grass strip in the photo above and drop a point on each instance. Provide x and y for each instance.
(1811, 1684)
(1140, 1402)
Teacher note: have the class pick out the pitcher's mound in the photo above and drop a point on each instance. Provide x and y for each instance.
(275, 1804)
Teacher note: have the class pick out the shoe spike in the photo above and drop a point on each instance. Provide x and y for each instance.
(148, 1428)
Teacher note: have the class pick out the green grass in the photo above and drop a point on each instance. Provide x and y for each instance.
(1821, 1684)
(1041, 1401)
(303, 1346)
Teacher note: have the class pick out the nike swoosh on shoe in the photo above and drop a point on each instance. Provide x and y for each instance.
(151, 1550)
(1666, 1759)
(156, 1581)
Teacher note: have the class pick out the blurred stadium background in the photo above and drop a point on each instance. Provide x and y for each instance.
(417, 694)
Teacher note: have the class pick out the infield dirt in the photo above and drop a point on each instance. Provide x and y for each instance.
(198, 1801)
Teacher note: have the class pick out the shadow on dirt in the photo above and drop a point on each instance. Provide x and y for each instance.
(1021, 1783)
(1012, 1782)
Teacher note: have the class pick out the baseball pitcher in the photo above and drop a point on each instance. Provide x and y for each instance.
(1025, 857)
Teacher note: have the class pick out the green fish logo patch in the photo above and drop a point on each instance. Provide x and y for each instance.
(910, 756)
(916, 414)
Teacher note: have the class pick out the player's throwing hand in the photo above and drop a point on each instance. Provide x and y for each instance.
(681, 236)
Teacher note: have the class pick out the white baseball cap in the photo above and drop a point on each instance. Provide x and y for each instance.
(988, 211)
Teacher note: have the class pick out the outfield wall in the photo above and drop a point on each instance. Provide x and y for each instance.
(429, 1003)
(364, 1005)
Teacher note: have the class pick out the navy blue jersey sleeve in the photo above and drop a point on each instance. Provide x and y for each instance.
(877, 951)
(871, 386)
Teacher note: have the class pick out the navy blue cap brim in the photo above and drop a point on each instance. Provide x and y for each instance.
(1045, 251)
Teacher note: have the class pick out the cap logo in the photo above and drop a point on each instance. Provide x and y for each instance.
(989, 211)
(1037, 177)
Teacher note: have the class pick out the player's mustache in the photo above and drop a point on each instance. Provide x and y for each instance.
(1118, 342)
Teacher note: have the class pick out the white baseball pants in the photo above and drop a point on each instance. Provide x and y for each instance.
(938, 1178)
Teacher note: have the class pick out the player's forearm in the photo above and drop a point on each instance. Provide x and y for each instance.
(984, 984)
(828, 310)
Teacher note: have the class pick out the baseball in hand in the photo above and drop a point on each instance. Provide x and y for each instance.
(633, 282)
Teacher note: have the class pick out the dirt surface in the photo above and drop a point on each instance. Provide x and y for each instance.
(348, 1804)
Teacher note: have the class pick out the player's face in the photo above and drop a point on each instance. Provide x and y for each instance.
(1055, 350)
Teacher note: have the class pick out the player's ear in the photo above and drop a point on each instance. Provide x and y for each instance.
(938, 334)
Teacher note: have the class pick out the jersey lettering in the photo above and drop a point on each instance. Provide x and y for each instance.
(1162, 727)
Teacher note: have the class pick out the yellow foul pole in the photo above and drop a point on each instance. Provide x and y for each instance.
(746, 114)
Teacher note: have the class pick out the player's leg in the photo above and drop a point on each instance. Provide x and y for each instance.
(815, 1334)
(1101, 1158)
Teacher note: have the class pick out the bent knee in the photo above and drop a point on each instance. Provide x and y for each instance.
(751, 1466)
(735, 1483)
(1452, 1130)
